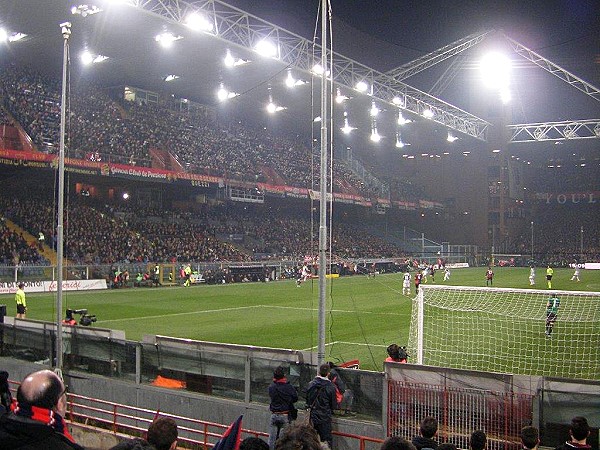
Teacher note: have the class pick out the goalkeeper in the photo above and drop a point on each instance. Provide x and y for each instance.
(551, 312)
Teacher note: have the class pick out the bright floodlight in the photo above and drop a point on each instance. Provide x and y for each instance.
(339, 98)
(451, 138)
(85, 10)
(291, 82)
(3, 35)
(362, 86)
(86, 58)
(166, 39)
(397, 101)
(125, 195)
(230, 61)
(171, 77)
(273, 108)
(317, 69)
(495, 68)
(402, 120)
(266, 48)
(375, 137)
(198, 22)
(428, 114)
(505, 96)
(346, 129)
(374, 111)
(222, 94)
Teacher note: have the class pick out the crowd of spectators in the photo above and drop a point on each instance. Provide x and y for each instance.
(104, 129)
(14, 249)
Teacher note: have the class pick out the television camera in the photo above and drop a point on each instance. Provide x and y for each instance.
(85, 319)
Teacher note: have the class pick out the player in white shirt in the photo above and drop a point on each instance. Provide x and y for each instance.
(446, 274)
(406, 284)
(532, 276)
(575, 276)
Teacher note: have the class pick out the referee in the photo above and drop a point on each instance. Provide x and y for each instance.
(21, 303)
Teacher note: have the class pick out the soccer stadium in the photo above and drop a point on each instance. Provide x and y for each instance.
(414, 207)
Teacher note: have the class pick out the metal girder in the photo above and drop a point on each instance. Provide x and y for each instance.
(555, 70)
(555, 131)
(245, 30)
(431, 59)
(449, 74)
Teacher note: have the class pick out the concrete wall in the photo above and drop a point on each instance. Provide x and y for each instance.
(181, 403)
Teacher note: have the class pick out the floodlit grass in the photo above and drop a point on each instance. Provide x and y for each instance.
(364, 315)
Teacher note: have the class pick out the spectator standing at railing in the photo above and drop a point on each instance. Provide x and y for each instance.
(427, 431)
(530, 438)
(36, 421)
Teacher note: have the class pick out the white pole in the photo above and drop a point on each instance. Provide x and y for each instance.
(420, 314)
(66, 33)
(323, 190)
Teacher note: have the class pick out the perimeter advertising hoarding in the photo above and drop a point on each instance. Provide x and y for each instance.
(50, 286)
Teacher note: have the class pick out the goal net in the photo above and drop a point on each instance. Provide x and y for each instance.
(503, 330)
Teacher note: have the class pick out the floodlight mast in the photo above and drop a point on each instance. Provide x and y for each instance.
(323, 190)
(66, 33)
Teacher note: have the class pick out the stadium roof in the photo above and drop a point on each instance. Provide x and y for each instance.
(127, 36)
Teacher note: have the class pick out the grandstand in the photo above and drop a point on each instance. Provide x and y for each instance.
(161, 173)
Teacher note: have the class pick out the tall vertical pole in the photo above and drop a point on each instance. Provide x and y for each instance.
(66, 33)
(323, 189)
(532, 241)
(581, 247)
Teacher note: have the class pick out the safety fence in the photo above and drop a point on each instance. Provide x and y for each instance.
(459, 412)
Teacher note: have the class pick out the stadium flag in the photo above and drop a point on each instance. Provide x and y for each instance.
(232, 436)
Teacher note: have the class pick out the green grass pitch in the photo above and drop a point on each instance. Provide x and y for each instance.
(364, 315)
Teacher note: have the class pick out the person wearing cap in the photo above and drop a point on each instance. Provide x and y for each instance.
(21, 303)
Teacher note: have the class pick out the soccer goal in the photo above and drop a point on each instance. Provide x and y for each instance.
(503, 330)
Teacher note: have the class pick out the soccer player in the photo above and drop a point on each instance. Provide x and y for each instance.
(489, 277)
(406, 284)
(532, 276)
(549, 273)
(575, 276)
(418, 279)
(446, 274)
(551, 312)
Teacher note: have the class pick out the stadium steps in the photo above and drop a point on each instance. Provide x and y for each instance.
(31, 240)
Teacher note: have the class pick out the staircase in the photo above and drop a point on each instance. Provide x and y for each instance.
(163, 159)
(31, 240)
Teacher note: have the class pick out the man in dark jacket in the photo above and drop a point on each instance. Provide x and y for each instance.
(320, 398)
(579, 431)
(37, 420)
(283, 396)
(162, 435)
(344, 396)
(428, 430)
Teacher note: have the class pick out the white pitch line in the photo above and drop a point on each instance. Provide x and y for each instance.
(179, 314)
(315, 346)
(238, 308)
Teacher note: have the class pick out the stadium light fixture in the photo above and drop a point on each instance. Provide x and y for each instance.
(5, 36)
(402, 120)
(427, 113)
(266, 48)
(362, 86)
(88, 58)
(340, 98)
(291, 82)
(375, 136)
(198, 22)
(230, 61)
(397, 101)
(171, 78)
(223, 94)
(374, 111)
(495, 68)
(451, 137)
(346, 129)
(272, 108)
(317, 69)
(85, 10)
(166, 39)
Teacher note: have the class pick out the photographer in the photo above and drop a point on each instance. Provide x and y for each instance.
(397, 354)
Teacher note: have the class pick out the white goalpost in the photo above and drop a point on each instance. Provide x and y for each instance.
(503, 330)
